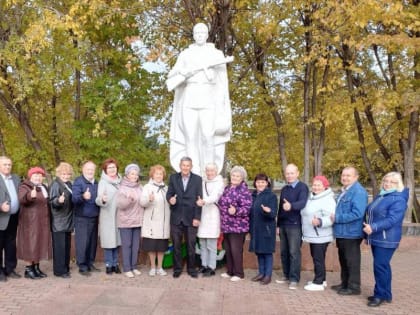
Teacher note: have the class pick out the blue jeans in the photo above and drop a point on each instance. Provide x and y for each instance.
(382, 271)
(290, 243)
(111, 256)
(265, 264)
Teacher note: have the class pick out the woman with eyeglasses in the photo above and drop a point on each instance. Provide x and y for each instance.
(385, 215)
(108, 229)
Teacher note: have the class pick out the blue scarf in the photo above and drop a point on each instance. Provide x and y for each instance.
(384, 192)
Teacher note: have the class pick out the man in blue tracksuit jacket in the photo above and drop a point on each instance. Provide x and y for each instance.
(348, 230)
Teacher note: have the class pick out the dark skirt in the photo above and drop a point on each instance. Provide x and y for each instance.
(154, 245)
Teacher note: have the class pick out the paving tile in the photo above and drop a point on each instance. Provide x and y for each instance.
(116, 294)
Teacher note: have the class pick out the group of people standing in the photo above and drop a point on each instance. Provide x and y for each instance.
(126, 213)
(36, 221)
(317, 217)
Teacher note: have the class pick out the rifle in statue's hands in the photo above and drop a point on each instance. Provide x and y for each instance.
(177, 78)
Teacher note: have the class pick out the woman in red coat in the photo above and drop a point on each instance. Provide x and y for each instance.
(34, 236)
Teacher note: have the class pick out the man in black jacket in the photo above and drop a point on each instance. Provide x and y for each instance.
(183, 191)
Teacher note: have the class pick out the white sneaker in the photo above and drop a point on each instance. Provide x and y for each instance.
(161, 272)
(325, 284)
(235, 279)
(282, 280)
(136, 272)
(129, 274)
(314, 287)
(152, 272)
(225, 275)
(293, 285)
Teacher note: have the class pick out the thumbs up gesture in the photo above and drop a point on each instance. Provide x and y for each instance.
(61, 198)
(33, 193)
(231, 210)
(152, 197)
(172, 200)
(87, 195)
(265, 208)
(200, 202)
(104, 197)
(286, 205)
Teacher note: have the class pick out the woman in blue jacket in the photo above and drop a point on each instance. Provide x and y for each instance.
(263, 227)
(385, 215)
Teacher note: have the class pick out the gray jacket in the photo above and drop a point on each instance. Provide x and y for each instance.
(4, 196)
(320, 206)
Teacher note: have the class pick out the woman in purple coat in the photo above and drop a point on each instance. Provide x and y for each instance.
(235, 206)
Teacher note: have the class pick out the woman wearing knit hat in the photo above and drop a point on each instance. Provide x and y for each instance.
(130, 218)
(317, 228)
(34, 236)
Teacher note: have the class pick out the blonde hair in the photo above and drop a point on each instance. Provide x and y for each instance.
(397, 177)
(63, 167)
(155, 168)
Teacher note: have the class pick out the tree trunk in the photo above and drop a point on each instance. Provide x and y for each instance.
(22, 118)
(2, 146)
(306, 126)
(54, 133)
(347, 57)
(307, 22)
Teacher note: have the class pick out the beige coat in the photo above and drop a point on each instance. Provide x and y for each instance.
(156, 213)
(108, 230)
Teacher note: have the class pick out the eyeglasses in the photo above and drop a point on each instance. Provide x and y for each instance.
(390, 182)
(110, 167)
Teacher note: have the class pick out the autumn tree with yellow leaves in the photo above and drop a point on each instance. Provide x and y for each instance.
(322, 84)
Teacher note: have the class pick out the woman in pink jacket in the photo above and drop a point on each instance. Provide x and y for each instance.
(130, 218)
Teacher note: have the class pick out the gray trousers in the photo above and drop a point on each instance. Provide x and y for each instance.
(208, 248)
(130, 244)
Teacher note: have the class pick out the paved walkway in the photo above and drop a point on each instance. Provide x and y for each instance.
(116, 294)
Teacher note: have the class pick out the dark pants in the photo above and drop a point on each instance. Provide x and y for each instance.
(265, 264)
(350, 258)
(61, 242)
(290, 243)
(86, 239)
(130, 244)
(190, 235)
(318, 256)
(382, 271)
(234, 247)
(8, 245)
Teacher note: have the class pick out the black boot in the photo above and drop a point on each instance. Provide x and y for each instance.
(38, 271)
(30, 273)
(109, 270)
(116, 269)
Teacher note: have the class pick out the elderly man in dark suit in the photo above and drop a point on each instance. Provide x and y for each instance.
(183, 191)
(9, 208)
